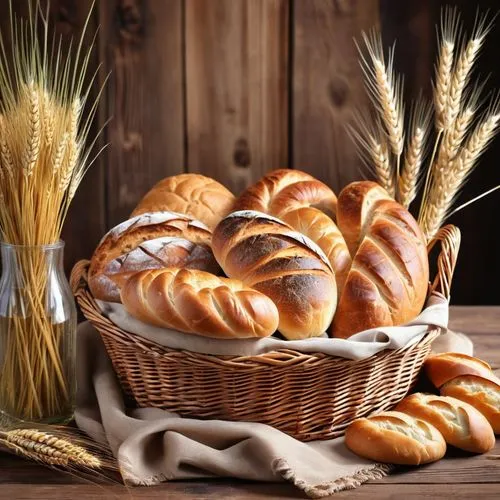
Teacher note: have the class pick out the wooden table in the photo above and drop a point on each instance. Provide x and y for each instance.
(456, 476)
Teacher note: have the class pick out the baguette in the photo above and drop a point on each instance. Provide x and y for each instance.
(148, 241)
(482, 393)
(460, 424)
(195, 195)
(198, 302)
(395, 437)
(268, 255)
(441, 368)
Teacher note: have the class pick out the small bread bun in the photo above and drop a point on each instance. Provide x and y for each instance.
(442, 368)
(396, 438)
(460, 423)
(481, 393)
(195, 195)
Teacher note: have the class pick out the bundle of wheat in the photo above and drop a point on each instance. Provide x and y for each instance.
(462, 131)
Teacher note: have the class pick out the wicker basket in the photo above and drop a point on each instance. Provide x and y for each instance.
(309, 396)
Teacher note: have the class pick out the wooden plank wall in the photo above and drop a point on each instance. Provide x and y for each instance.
(233, 88)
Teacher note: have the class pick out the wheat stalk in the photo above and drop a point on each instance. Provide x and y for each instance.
(44, 153)
(48, 448)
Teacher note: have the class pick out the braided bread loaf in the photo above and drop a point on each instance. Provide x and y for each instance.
(266, 254)
(199, 302)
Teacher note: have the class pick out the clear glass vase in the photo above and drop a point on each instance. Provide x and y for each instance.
(37, 335)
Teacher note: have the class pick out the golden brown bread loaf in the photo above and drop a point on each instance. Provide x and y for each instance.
(441, 368)
(396, 438)
(282, 190)
(481, 393)
(201, 197)
(388, 280)
(198, 302)
(460, 424)
(355, 208)
(148, 241)
(324, 232)
(266, 254)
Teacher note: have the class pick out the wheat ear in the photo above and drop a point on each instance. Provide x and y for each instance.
(34, 130)
(385, 89)
(408, 182)
(463, 67)
(48, 448)
(371, 143)
(447, 40)
(444, 190)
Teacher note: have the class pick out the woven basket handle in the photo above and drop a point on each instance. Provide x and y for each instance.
(78, 277)
(450, 237)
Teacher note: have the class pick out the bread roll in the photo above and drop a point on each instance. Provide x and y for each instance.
(200, 197)
(481, 393)
(282, 190)
(396, 438)
(460, 424)
(441, 368)
(324, 232)
(266, 254)
(388, 280)
(199, 302)
(148, 241)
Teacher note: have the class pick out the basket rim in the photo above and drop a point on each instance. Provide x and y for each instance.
(286, 357)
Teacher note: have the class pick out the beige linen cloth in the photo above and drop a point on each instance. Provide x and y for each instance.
(153, 445)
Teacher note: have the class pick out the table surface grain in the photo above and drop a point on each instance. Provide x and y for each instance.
(457, 476)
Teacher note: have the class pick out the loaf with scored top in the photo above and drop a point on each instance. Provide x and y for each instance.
(483, 394)
(268, 255)
(388, 281)
(148, 241)
(197, 302)
(441, 368)
(460, 424)
(396, 438)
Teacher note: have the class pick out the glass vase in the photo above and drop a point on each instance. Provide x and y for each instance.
(37, 335)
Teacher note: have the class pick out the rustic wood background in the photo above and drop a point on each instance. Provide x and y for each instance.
(233, 88)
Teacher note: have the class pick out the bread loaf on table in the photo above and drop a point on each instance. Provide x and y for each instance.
(201, 197)
(441, 368)
(148, 241)
(479, 392)
(460, 423)
(321, 229)
(395, 437)
(268, 255)
(388, 281)
(198, 302)
(282, 190)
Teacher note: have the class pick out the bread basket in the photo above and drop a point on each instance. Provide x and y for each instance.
(309, 396)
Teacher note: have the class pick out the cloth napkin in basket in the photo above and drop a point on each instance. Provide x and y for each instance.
(153, 445)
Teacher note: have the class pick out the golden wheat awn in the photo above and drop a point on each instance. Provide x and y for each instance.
(43, 157)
